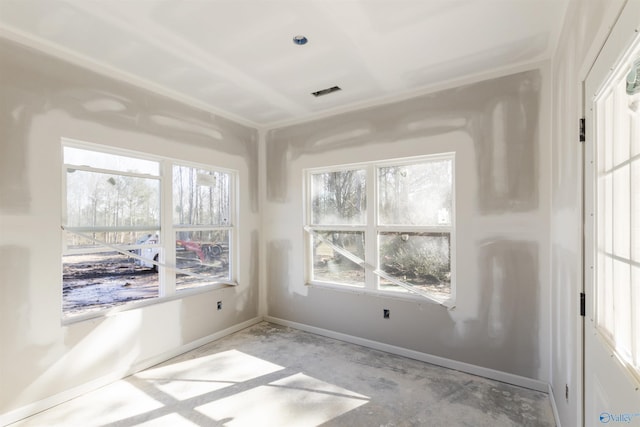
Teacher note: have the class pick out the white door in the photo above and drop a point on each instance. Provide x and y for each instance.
(612, 229)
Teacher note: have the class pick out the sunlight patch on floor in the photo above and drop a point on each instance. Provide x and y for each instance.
(298, 400)
(171, 420)
(195, 377)
(108, 404)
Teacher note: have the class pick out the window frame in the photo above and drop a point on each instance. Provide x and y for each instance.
(231, 227)
(372, 228)
(166, 229)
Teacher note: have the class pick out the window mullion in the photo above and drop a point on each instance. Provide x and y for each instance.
(234, 218)
(371, 238)
(415, 228)
(64, 203)
(72, 167)
(167, 277)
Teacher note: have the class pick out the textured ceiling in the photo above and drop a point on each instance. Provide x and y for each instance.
(237, 57)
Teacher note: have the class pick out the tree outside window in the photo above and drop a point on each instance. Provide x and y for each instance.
(385, 227)
(121, 242)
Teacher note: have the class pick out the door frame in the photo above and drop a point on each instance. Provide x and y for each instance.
(622, 35)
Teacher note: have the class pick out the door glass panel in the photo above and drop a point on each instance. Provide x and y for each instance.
(618, 201)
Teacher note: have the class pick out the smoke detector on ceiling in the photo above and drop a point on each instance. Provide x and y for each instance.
(300, 40)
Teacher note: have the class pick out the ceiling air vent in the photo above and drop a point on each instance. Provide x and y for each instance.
(326, 91)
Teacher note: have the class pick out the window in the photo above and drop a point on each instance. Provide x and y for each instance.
(139, 227)
(617, 213)
(383, 227)
(202, 223)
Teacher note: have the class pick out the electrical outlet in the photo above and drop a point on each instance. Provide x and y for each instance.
(219, 305)
(386, 313)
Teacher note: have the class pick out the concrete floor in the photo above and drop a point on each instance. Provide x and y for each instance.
(270, 375)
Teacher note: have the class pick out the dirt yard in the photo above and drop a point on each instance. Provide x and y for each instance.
(99, 281)
(92, 282)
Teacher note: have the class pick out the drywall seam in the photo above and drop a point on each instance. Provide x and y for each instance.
(262, 247)
(427, 90)
(493, 374)
(59, 52)
(554, 408)
(549, 218)
(584, 32)
(604, 31)
(105, 70)
(49, 402)
(556, 34)
(501, 219)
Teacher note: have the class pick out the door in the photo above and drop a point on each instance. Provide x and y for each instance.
(612, 228)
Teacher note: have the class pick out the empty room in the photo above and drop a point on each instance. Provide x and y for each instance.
(319, 212)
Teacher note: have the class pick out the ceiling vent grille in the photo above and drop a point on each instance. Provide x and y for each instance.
(326, 91)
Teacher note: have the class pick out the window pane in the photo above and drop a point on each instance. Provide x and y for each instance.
(622, 307)
(111, 200)
(201, 197)
(421, 259)
(92, 282)
(418, 194)
(96, 159)
(635, 245)
(205, 253)
(339, 197)
(330, 266)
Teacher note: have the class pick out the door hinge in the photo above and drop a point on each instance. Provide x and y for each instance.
(582, 130)
(582, 304)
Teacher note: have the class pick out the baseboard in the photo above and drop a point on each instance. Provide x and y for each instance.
(41, 405)
(424, 357)
(554, 408)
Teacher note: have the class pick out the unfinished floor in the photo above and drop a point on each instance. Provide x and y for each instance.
(270, 375)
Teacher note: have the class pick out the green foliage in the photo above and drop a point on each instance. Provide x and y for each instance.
(416, 258)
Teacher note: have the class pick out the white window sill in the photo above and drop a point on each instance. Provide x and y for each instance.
(400, 295)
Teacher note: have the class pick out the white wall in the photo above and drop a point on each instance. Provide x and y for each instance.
(585, 30)
(499, 129)
(506, 187)
(42, 100)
